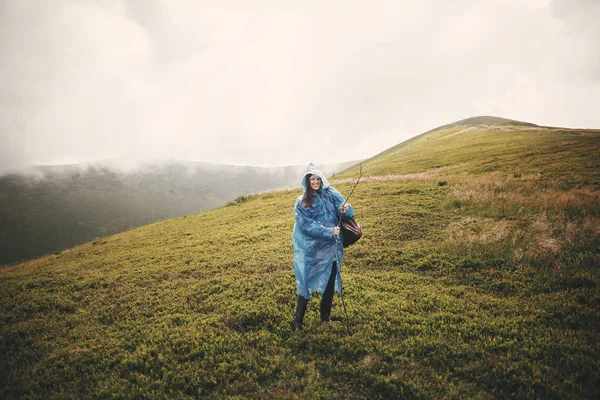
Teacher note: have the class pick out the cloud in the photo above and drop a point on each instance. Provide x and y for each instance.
(582, 36)
(274, 83)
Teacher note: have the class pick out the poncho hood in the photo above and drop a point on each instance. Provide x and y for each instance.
(313, 170)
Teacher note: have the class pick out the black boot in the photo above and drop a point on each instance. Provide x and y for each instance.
(327, 298)
(300, 310)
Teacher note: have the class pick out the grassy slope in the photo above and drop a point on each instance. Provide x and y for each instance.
(568, 155)
(69, 205)
(484, 287)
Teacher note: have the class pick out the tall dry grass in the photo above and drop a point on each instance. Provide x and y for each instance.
(538, 222)
(527, 192)
(489, 190)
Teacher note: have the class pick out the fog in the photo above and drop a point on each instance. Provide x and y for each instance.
(272, 84)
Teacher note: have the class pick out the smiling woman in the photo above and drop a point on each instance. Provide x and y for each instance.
(318, 242)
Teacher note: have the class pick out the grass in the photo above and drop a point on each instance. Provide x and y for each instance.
(485, 287)
(565, 155)
(53, 208)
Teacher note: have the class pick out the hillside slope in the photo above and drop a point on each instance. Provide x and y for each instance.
(476, 284)
(483, 144)
(55, 207)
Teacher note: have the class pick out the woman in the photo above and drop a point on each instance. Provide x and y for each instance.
(317, 239)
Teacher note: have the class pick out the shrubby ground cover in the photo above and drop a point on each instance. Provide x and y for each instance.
(484, 287)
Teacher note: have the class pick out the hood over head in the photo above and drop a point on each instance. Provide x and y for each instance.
(313, 170)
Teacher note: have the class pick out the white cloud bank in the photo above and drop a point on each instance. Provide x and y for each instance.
(280, 83)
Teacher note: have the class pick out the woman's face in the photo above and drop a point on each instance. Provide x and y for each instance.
(315, 182)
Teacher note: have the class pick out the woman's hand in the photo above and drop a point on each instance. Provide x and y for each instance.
(336, 231)
(344, 208)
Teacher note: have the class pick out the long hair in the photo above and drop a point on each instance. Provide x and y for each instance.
(307, 199)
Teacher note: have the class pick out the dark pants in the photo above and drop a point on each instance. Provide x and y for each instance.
(326, 301)
(327, 298)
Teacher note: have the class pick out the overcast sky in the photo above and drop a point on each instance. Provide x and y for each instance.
(278, 82)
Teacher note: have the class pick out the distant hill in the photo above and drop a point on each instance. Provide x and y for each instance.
(485, 144)
(477, 276)
(54, 207)
(487, 120)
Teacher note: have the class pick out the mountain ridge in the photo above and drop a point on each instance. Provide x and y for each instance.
(503, 143)
(487, 120)
(470, 121)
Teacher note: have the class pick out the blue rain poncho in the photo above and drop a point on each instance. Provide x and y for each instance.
(313, 240)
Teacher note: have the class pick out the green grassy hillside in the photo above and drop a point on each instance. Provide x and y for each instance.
(58, 207)
(468, 283)
(483, 145)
